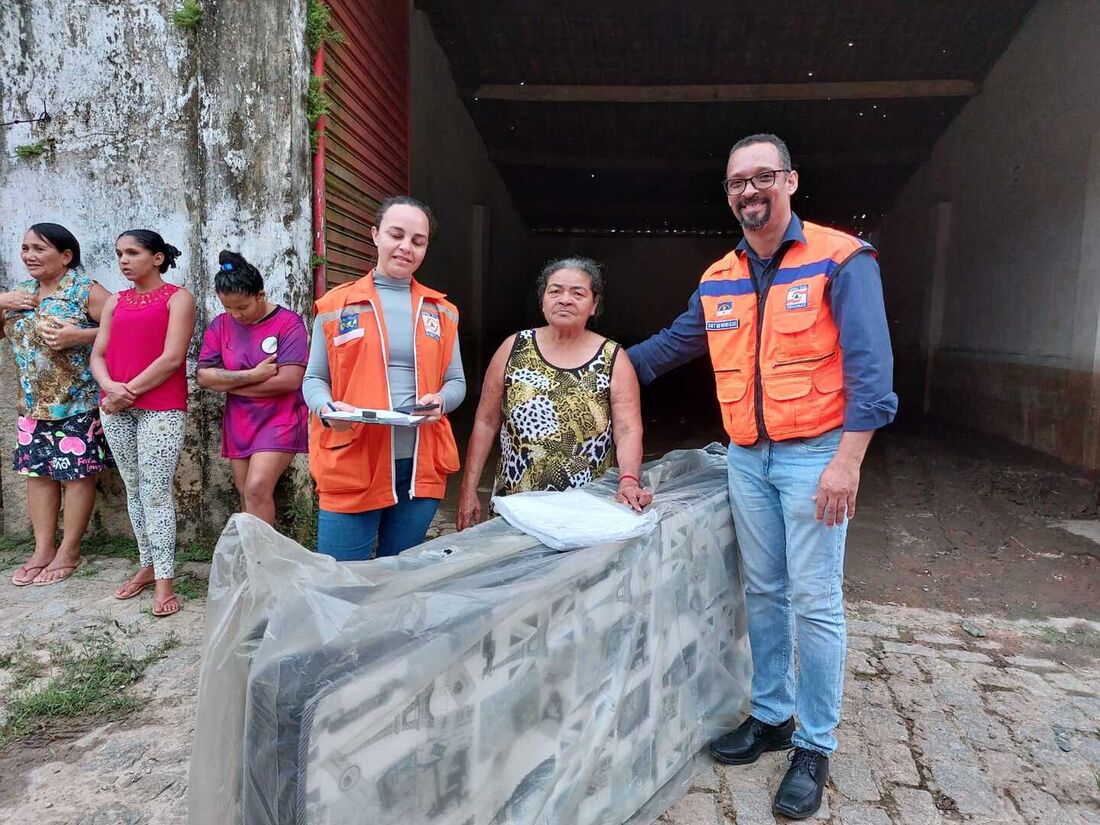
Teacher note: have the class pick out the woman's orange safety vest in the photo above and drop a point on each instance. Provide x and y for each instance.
(354, 469)
(777, 363)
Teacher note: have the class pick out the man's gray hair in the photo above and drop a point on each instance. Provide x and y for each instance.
(767, 137)
(585, 265)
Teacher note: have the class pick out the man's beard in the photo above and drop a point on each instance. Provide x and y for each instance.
(754, 223)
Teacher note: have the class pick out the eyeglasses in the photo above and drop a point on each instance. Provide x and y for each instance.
(760, 181)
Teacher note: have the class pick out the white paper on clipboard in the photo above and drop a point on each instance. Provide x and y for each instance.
(365, 415)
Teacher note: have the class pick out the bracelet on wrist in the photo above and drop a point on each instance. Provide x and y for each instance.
(624, 476)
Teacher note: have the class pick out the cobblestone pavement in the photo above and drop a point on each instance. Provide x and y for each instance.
(939, 726)
(942, 726)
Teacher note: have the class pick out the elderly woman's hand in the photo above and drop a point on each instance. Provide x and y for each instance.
(59, 336)
(634, 494)
(469, 509)
(17, 300)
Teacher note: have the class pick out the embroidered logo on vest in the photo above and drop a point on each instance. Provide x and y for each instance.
(431, 324)
(798, 297)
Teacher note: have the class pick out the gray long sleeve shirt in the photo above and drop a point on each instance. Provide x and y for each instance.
(394, 295)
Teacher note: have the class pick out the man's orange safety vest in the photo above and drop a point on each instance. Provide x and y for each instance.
(777, 362)
(354, 469)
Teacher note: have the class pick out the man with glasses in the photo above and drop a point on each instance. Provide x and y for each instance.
(794, 322)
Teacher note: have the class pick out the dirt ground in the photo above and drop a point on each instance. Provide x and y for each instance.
(949, 525)
(957, 520)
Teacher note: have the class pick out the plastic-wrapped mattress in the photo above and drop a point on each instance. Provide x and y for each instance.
(478, 679)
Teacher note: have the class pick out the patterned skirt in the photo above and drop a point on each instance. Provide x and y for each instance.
(65, 450)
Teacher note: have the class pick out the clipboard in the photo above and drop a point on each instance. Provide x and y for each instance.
(387, 418)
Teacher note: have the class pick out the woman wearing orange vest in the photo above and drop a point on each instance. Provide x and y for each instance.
(382, 342)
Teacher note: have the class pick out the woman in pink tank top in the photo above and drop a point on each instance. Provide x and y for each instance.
(139, 360)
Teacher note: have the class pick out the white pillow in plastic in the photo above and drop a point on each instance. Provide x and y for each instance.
(573, 519)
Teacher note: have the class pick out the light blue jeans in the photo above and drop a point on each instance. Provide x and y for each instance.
(793, 568)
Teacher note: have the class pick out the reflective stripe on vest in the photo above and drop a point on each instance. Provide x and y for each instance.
(354, 469)
(796, 364)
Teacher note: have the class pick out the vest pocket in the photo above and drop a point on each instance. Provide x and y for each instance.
(731, 384)
(792, 321)
(444, 449)
(334, 439)
(829, 378)
(338, 467)
(789, 385)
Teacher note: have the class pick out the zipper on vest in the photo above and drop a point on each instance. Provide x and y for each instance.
(377, 313)
(416, 387)
(763, 286)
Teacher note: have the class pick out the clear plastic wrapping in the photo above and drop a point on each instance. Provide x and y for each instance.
(478, 679)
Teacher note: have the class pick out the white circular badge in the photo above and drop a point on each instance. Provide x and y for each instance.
(270, 344)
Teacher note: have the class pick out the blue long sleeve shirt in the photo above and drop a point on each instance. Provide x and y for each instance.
(855, 297)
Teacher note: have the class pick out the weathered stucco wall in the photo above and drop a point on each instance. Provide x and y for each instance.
(198, 134)
(991, 254)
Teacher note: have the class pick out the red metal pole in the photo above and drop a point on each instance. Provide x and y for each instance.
(319, 248)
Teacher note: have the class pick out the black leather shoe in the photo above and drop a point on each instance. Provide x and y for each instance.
(744, 745)
(799, 794)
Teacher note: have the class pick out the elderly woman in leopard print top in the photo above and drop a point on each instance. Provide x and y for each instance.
(563, 399)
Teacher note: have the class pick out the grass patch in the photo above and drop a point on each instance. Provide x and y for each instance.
(7, 561)
(102, 544)
(20, 664)
(299, 520)
(319, 26)
(86, 679)
(201, 551)
(11, 543)
(29, 151)
(1025, 612)
(189, 588)
(188, 16)
(1079, 634)
(318, 104)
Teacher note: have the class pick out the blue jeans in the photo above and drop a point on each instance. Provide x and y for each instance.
(793, 567)
(354, 536)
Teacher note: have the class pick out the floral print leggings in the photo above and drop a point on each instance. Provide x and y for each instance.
(146, 445)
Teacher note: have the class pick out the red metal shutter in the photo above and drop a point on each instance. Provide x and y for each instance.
(364, 146)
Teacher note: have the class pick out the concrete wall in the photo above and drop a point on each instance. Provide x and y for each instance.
(991, 254)
(199, 134)
(648, 279)
(479, 255)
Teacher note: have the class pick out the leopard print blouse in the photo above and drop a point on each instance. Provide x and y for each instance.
(556, 431)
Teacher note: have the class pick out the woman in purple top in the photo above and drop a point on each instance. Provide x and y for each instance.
(256, 353)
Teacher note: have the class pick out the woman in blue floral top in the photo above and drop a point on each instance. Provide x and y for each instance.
(51, 320)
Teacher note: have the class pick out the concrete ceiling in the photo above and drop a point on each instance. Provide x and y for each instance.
(617, 115)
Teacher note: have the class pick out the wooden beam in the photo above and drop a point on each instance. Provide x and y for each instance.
(597, 163)
(728, 93)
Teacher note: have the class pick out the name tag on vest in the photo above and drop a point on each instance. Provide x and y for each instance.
(733, 323)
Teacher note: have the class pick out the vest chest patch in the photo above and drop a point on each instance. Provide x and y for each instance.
(724, 308)
(430, 322)
(713, 326)
(798, 297)
(349, 329)
(348, 323)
